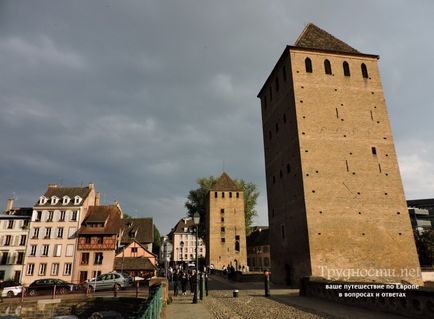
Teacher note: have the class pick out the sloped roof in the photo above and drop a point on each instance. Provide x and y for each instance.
(110, 215)
(133, 263)
(143, 228)
(17, 213)
(71, 192)
(183, 222)
(225, 183)
(139, 244)
(313, 37)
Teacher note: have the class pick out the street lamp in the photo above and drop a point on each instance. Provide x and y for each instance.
(181, 244)
(196, 220)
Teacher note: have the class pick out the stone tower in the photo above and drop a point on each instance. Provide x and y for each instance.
(336, 204)
(225, 225)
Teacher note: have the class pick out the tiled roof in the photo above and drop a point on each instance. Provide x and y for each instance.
(225, 183)
(133, 263)
(18, 213)
(110, 215)
(71, 192)
(186, 222)
(139, 229)
(313, 37)
(260, 237)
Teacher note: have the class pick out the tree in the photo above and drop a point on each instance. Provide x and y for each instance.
(196, 200)
(425, 247)
(156, 245)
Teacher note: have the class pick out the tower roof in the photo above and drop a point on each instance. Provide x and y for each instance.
(225, 183)
(313, 37)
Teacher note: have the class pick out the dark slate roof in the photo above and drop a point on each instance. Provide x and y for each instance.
(313, 37)
(133, 263)
(183, 222)
(421, 203)
(17, 213)
(260, 237)
(143, 228)
(71, 192)
(225, 183)
(110, 215)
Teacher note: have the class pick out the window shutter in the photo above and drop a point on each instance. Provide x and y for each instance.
(2, 240)
(17, 240)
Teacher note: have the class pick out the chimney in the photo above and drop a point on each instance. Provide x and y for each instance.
(91, 185)
(97, 199)
(52, 185)
(10, 204)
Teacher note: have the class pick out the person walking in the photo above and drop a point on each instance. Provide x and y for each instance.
(192, 281)
(176, 278)
(184, 280)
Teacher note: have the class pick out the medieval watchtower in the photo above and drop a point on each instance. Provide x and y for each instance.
(335, 198)
(225, 224)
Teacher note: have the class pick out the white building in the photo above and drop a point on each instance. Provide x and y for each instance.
(183, 238)
(14, 229)
(52, 245)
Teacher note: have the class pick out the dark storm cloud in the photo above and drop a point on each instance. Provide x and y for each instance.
(143, 97)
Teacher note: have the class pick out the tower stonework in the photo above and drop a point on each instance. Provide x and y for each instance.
(225, 225)
(336, 204)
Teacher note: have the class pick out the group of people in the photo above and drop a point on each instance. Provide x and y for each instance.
(183, 278)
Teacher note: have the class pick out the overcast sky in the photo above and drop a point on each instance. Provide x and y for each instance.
(144, 97)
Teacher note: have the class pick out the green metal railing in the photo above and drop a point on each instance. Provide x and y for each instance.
(154, 303)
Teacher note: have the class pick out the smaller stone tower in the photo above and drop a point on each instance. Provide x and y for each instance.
(225, 225)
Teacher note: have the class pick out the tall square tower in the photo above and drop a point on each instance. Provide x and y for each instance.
(225, 225)
(336, 204)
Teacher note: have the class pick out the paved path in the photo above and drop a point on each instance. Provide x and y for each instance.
(251, 304)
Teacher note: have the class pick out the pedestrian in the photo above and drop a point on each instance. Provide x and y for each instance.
(192, 281)
(176, 278)
(184, 280)
(1, 290)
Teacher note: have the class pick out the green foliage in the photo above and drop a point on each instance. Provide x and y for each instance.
(196, 200)
(156, 245)
(425, 247)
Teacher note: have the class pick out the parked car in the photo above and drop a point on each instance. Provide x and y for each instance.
(11, 288)
(109, 281)
(46, 286)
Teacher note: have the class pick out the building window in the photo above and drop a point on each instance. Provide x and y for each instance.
(60, 232)
(47, 233)
(327, 67)
(77, 200)
(43, 200)
(223, 194)
(33, 250)
(54, 269)
(98, 258)
(74, 215)
(45, 249)
(20, 258)
(308, 65)
(54, 200)
(42, 269)
(66, 200)
(30, 269)
(374, 150)
(99, 240)
(222, 229)
(62, 216)
(134, 251)
(26, 223)
(237, 245)
(50, 216)
(230, 194)
(215, 195)
(10, 224)
(23, 240)
(38, 216)
(36, 232)
(4, 259)
(84, 258)
(67, 269)
(87, 240)
(364, 71)
(238, 195)
(222, 219)
(57, 250)
(222, 210)
(346, 68)
(69, 250)
(8, 240)
(223, 239)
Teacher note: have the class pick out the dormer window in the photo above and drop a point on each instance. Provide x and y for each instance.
(43, 200)
(66, 200)
(77, 200)
(54, 200)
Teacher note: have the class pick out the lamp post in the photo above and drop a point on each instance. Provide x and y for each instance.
(165, 258)
(196, 220)
(181, 244)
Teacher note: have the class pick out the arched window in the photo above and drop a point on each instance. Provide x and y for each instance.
(308, 64)
(327, 67)
(346, 68)
(364, 71)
